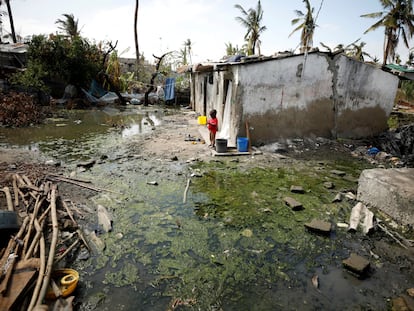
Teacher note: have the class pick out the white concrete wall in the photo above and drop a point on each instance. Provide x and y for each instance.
(277, 85)
(364, 98)
(300, 96)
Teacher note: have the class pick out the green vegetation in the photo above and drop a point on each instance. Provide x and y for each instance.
(57, 58)
(234, 235)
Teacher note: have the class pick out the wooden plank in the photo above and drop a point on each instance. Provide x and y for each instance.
(19, 283)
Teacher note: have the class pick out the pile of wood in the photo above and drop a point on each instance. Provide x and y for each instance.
(39, 246)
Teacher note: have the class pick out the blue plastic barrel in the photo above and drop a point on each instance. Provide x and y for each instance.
(242, 144)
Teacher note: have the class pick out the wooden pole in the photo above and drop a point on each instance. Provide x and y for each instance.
(248, 136)
(6, 191)
(35, 294)
(50, 260)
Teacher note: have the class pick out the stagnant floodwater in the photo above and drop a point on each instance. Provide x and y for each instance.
(232, 245)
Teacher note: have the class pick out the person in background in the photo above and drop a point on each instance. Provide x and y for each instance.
(212, 125)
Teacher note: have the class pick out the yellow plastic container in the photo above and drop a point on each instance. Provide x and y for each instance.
(202, 120)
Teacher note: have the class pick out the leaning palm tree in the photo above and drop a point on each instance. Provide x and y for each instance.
(308, 25)
(69, 26)
(251, 20)
(398, 21)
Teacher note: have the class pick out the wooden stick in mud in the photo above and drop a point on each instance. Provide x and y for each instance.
(35, 294)
(80, 234)
(80, 184)
(70, 178)
(55, 232)
(186, 190)
(385, 230)
(69, 213)
(9, 200)
(57, 259)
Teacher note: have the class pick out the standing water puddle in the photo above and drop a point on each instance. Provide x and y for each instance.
(233, 244)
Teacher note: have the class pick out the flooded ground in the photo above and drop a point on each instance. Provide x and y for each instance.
(196, 232)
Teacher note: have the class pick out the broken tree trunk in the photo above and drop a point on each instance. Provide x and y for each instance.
(151, 86)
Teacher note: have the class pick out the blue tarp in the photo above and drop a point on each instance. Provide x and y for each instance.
(169, 89)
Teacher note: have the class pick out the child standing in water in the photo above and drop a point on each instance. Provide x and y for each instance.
(212, 125)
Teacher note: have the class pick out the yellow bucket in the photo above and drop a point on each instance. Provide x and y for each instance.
(202, 120)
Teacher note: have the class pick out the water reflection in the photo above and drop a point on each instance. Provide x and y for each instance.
(148, 122)
(76, 127)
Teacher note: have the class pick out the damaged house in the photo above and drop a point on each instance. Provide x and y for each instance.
(294, 96)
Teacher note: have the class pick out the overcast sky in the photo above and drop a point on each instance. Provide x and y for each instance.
(164, 25)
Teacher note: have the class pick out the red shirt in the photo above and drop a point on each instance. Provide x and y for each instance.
(212, 125)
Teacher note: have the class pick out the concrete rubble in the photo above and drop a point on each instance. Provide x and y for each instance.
(390, 191)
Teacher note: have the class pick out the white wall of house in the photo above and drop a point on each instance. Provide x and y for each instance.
(300, 96)
(364, 98)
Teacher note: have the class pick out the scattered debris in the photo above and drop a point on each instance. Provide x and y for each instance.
(315, 281)
(361, 216)
(319, 226)
(297, 189)
(338, 173)
(36, 202)
(356, 264)
(337, 198)
(293, 204)
(329, 185)
(104, 219)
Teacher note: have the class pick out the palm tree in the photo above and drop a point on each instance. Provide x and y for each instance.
(69, 26)
(187, 51)
(307, 26)
(136, 38)
(339, 48)
(397, 19)
(251, 20)
(232, 50)
(356, 51)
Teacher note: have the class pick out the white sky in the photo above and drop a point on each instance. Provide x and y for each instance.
(164, 25)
